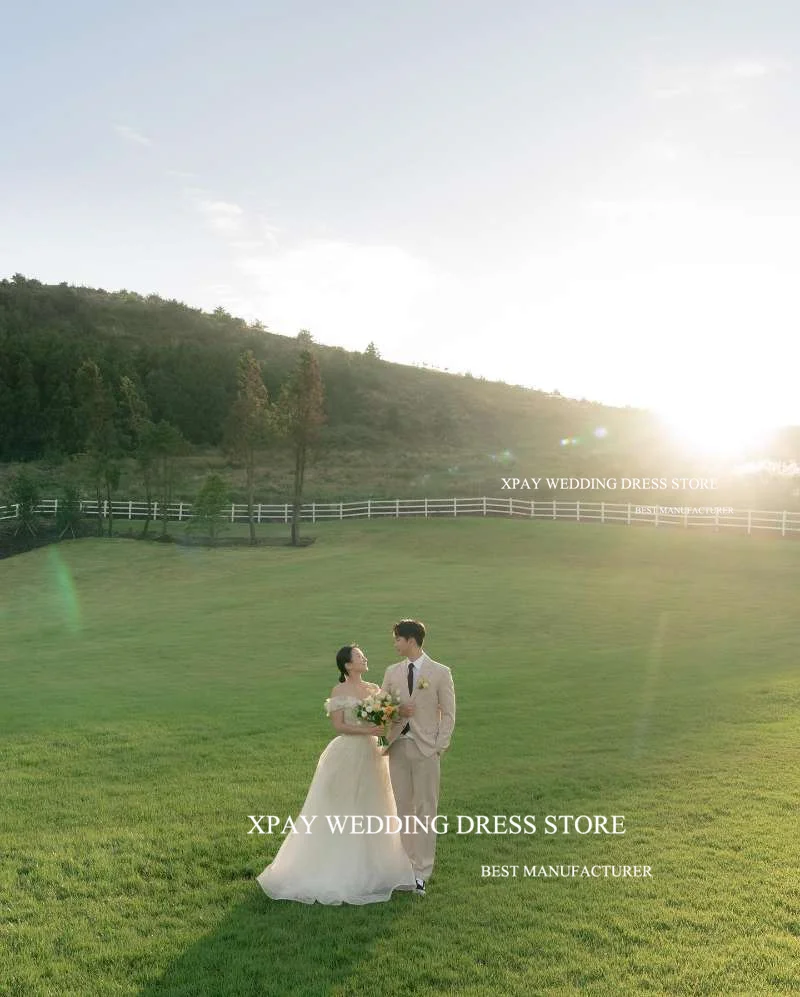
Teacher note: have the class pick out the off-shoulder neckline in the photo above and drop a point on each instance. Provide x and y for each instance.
(373, 685)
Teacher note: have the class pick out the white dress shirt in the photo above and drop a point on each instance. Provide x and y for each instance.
(417, 670)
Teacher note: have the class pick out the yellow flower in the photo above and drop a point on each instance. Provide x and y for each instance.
(424, 683)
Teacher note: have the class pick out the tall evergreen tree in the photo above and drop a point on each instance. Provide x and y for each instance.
(301, 416)
(165, 444)
(103, 443)
(251, 424)
(144, 440)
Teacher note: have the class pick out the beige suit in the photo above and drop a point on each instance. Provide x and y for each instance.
(414, 762)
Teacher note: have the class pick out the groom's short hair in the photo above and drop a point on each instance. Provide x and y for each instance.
(410, 628)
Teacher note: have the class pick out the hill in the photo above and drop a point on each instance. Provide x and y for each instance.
(404, 429)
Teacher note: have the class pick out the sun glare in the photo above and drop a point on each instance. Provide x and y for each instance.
(712, 431)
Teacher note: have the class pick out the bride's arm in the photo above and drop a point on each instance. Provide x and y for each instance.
(337, 719)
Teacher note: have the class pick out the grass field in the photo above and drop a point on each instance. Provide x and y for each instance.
(151, 697)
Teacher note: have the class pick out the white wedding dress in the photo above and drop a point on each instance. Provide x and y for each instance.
(336, 867)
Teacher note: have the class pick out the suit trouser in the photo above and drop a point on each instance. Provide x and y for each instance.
(415, 783)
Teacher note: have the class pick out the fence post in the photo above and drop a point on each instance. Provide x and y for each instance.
(629, 514)
(533, 504)
(180, 512)
(783, 524)
(55, 511)
(749, 521)
(313, 512)
(602, 512)
(341, 510)
(233, 507)
(259, 514)
(426, 508)
(286, 513)
(155, 510)
(397, 508)
(554, 508)
(484, 505)
(510, 506)
(455, 506)
(369, 508)
(105, 508)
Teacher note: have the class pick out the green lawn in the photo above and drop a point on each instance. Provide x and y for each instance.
(153, 696)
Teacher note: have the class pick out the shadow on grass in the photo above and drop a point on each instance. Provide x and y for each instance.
(266, 947)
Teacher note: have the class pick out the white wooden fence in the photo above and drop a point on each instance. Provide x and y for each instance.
(748, 520)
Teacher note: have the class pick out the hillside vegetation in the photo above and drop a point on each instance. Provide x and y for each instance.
(391, 429)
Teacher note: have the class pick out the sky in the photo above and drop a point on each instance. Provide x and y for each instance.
(600, 198)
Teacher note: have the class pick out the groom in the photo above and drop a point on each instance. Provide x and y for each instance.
(417, 740)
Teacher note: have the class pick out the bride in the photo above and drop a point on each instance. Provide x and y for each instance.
(352, 779)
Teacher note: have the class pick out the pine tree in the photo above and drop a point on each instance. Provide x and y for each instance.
(301, 416)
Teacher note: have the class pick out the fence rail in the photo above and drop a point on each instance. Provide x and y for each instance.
(748, 520)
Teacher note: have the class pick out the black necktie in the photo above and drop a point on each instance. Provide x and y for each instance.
(407, 727)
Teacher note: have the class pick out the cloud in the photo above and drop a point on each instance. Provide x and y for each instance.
(649, 278)
(663, 150)
(224, 218)
(746, 69)
(671, 92)
(243, 232)
(727, 78)
(345, 291)
(131, 135)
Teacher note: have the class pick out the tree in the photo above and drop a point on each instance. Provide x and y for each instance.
(372, 351)
(27, 404)
(24, 491)
(250, 425)
(301, 415)
(165, 443)
(207, 509)
(69, 517)
(305, 338)
(144, 439)
(103, 444)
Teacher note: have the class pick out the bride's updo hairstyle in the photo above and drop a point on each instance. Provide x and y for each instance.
(343, 656)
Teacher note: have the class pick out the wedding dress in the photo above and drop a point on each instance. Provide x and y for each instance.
(336, 867)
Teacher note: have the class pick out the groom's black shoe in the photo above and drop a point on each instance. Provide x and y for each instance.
(420, 888)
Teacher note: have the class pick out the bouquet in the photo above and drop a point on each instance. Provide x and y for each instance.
(380, 709)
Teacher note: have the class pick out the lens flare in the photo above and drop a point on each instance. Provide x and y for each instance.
(66, 593)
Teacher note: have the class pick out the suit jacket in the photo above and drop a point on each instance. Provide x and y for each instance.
(434, 702)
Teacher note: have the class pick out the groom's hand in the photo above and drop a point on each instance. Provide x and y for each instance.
(406, 711)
